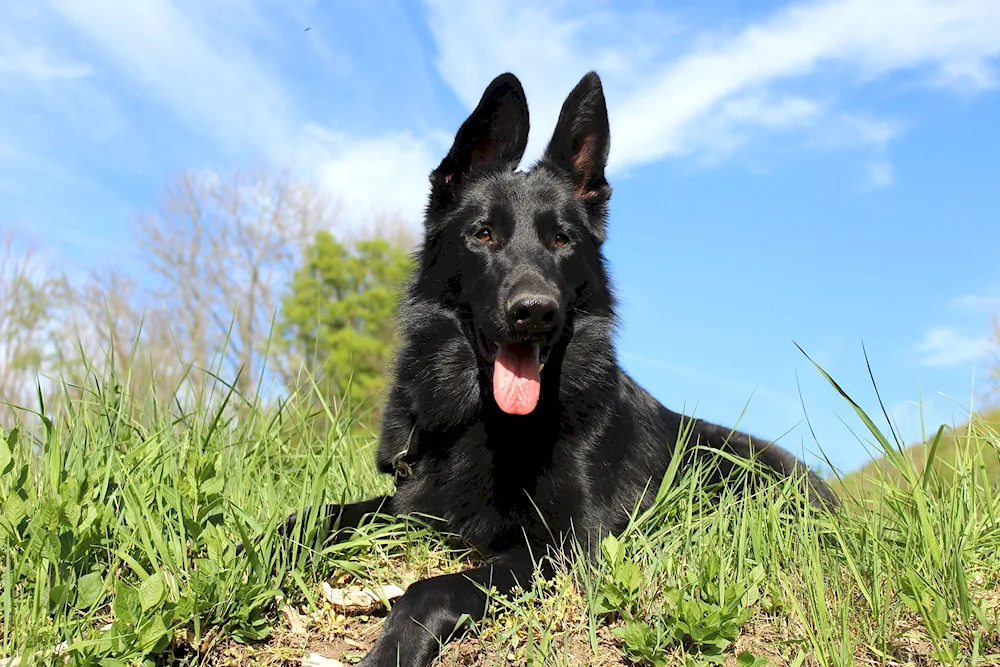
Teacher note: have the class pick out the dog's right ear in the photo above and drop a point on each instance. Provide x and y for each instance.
(582, 139)
(493, 137)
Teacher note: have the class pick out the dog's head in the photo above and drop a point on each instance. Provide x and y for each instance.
(518, 252)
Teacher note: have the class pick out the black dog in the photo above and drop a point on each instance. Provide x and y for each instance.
(509, 416)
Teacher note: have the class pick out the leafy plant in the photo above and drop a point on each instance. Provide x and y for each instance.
(338, 315)
(619, 591)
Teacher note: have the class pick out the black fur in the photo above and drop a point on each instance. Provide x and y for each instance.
(515, 257)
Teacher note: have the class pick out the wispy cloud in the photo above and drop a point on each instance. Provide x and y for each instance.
(879, 174)
(201, 74)
(948, 347)
(943, 347)
(795, 43)
(709, 99)
(979, 302)
(372, 176)
(186, 81)
(18, 59)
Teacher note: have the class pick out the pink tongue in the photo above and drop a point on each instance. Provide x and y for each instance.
(516, 378)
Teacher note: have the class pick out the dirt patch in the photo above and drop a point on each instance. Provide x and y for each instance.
(550, 625)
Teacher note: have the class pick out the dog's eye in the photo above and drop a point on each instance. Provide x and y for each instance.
(485, 235)
(561, 240)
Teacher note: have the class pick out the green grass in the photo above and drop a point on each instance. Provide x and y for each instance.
(119, 516)
(972, 438)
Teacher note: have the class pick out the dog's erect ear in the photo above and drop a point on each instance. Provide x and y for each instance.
(582, 139)
(494, 136)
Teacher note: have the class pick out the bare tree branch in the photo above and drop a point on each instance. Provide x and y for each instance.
(219, 247)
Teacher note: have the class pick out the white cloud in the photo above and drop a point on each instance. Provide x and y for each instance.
(844, 130)
(944, 347)
(197, 62)
(966, 75)
(372, 176)
(203, 73)
(874, 39)
(661, 107)
(478, 41)
(36, 62)
(879, 174)
(760, 110)
(988, 303)
(671, 90)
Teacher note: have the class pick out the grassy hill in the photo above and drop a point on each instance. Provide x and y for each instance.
(973, 441)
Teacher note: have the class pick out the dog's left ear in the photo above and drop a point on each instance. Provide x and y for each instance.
(581, 142)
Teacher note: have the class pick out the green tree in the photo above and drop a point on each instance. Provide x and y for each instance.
(337, 319)
(32, 298)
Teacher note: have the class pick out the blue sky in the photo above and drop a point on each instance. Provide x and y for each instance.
(817, 172)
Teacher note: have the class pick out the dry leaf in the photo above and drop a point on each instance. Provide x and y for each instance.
(317, 660)
(294, 620)
(359, 599)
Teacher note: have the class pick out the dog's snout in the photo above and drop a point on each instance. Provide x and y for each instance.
(532, 313)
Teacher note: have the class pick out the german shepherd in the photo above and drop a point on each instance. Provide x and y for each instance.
(508, 415)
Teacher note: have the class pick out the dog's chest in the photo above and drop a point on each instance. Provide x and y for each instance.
(495, 486)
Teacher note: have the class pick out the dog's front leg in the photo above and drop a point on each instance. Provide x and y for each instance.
(334, 518)
(429, 612)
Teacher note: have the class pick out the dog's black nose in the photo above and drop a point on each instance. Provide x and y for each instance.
(532, 313)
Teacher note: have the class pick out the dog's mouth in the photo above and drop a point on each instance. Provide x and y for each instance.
(517, 372)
